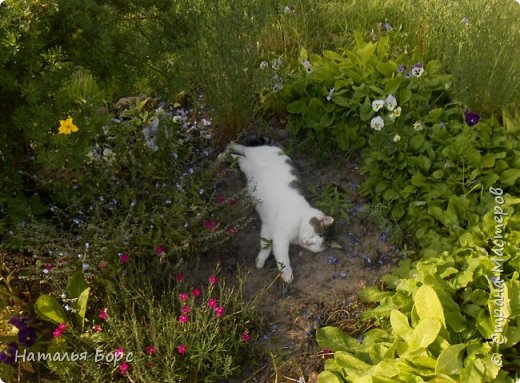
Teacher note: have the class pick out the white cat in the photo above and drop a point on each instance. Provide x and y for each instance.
(287, 217)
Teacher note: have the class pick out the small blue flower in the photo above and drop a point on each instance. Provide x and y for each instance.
(471, 118)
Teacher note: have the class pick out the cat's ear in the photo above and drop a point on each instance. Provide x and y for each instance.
(326, 221)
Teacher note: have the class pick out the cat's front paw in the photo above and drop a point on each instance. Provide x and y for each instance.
(259, 263)
(287, 275)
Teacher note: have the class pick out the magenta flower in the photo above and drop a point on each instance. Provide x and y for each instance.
(96, 328)
(179, 277)
(183, 297)
(233, 201)
(183, 318)
(212, 302)
(195, 292)
(471, 118)
(181, 349)
(123, 367)
(219, 310)
(221, 199)
(159, 250)
(103, 314)
(123, 258)
(119, 351)
(209, 224)
(233, 230)
(245, 337)
(213, 279)
(150, 350)
(58, 331)
(185, 310)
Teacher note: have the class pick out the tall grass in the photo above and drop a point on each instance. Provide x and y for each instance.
(478, 41)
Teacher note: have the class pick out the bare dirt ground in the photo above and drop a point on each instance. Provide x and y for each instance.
(325, 285)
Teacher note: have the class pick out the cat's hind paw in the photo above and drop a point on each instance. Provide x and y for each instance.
(287, 276)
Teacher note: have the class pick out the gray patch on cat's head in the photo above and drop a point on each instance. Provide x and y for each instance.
(317, 225)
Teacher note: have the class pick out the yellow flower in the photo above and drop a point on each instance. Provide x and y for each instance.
(67, 127)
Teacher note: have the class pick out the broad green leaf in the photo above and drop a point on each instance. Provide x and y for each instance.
(329, 377)
(449, 361)
(326, 120)
(400, 325)
(417, 142)
(426, 332)
(297, 107)
(373, 294)
(428, 305)
(48, 308)
(335, 339)
(510, 176)
(404, 96)
(76, 285)
(418, 179)
(365, 53)
(303, 56)
(333, 55)
(386, 68)
(349, 362)
(82, 306)
(392, 86)
(340, 100)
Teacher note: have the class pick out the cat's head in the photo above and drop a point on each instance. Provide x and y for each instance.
(313, 233)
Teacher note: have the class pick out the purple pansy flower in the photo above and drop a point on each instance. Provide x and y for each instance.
(27, 336)
(19, 323)
(401, 68)
(471, 118)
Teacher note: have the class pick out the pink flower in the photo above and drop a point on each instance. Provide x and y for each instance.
(183, 318)
(245, 337)
(185, 310)
(149, 364)
(233, 230)
(209, 224)
(159, 250)
(123, 258)
(221, 199)
(183, 297)
(123, 367)
(103, 314)
(195, 292)
(179, 277)
(233, 201)
(212, 302)
(150, 349)
(181, 349)
(219, 310)
(213, 279)
(96, 328)
(59, 330)
(119, 351)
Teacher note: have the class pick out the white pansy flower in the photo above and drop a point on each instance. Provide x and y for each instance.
(396, 112)
(264, 65)
(377, 105)
(276, 63)
(331, 93)
(391, 102)
(377, 123)
(417, 126)
(417, 70)
(397, 138)
(178, 119)
(307, 66)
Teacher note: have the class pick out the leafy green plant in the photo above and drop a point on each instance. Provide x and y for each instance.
(333, 201)
(336, 98)
(190, 333)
